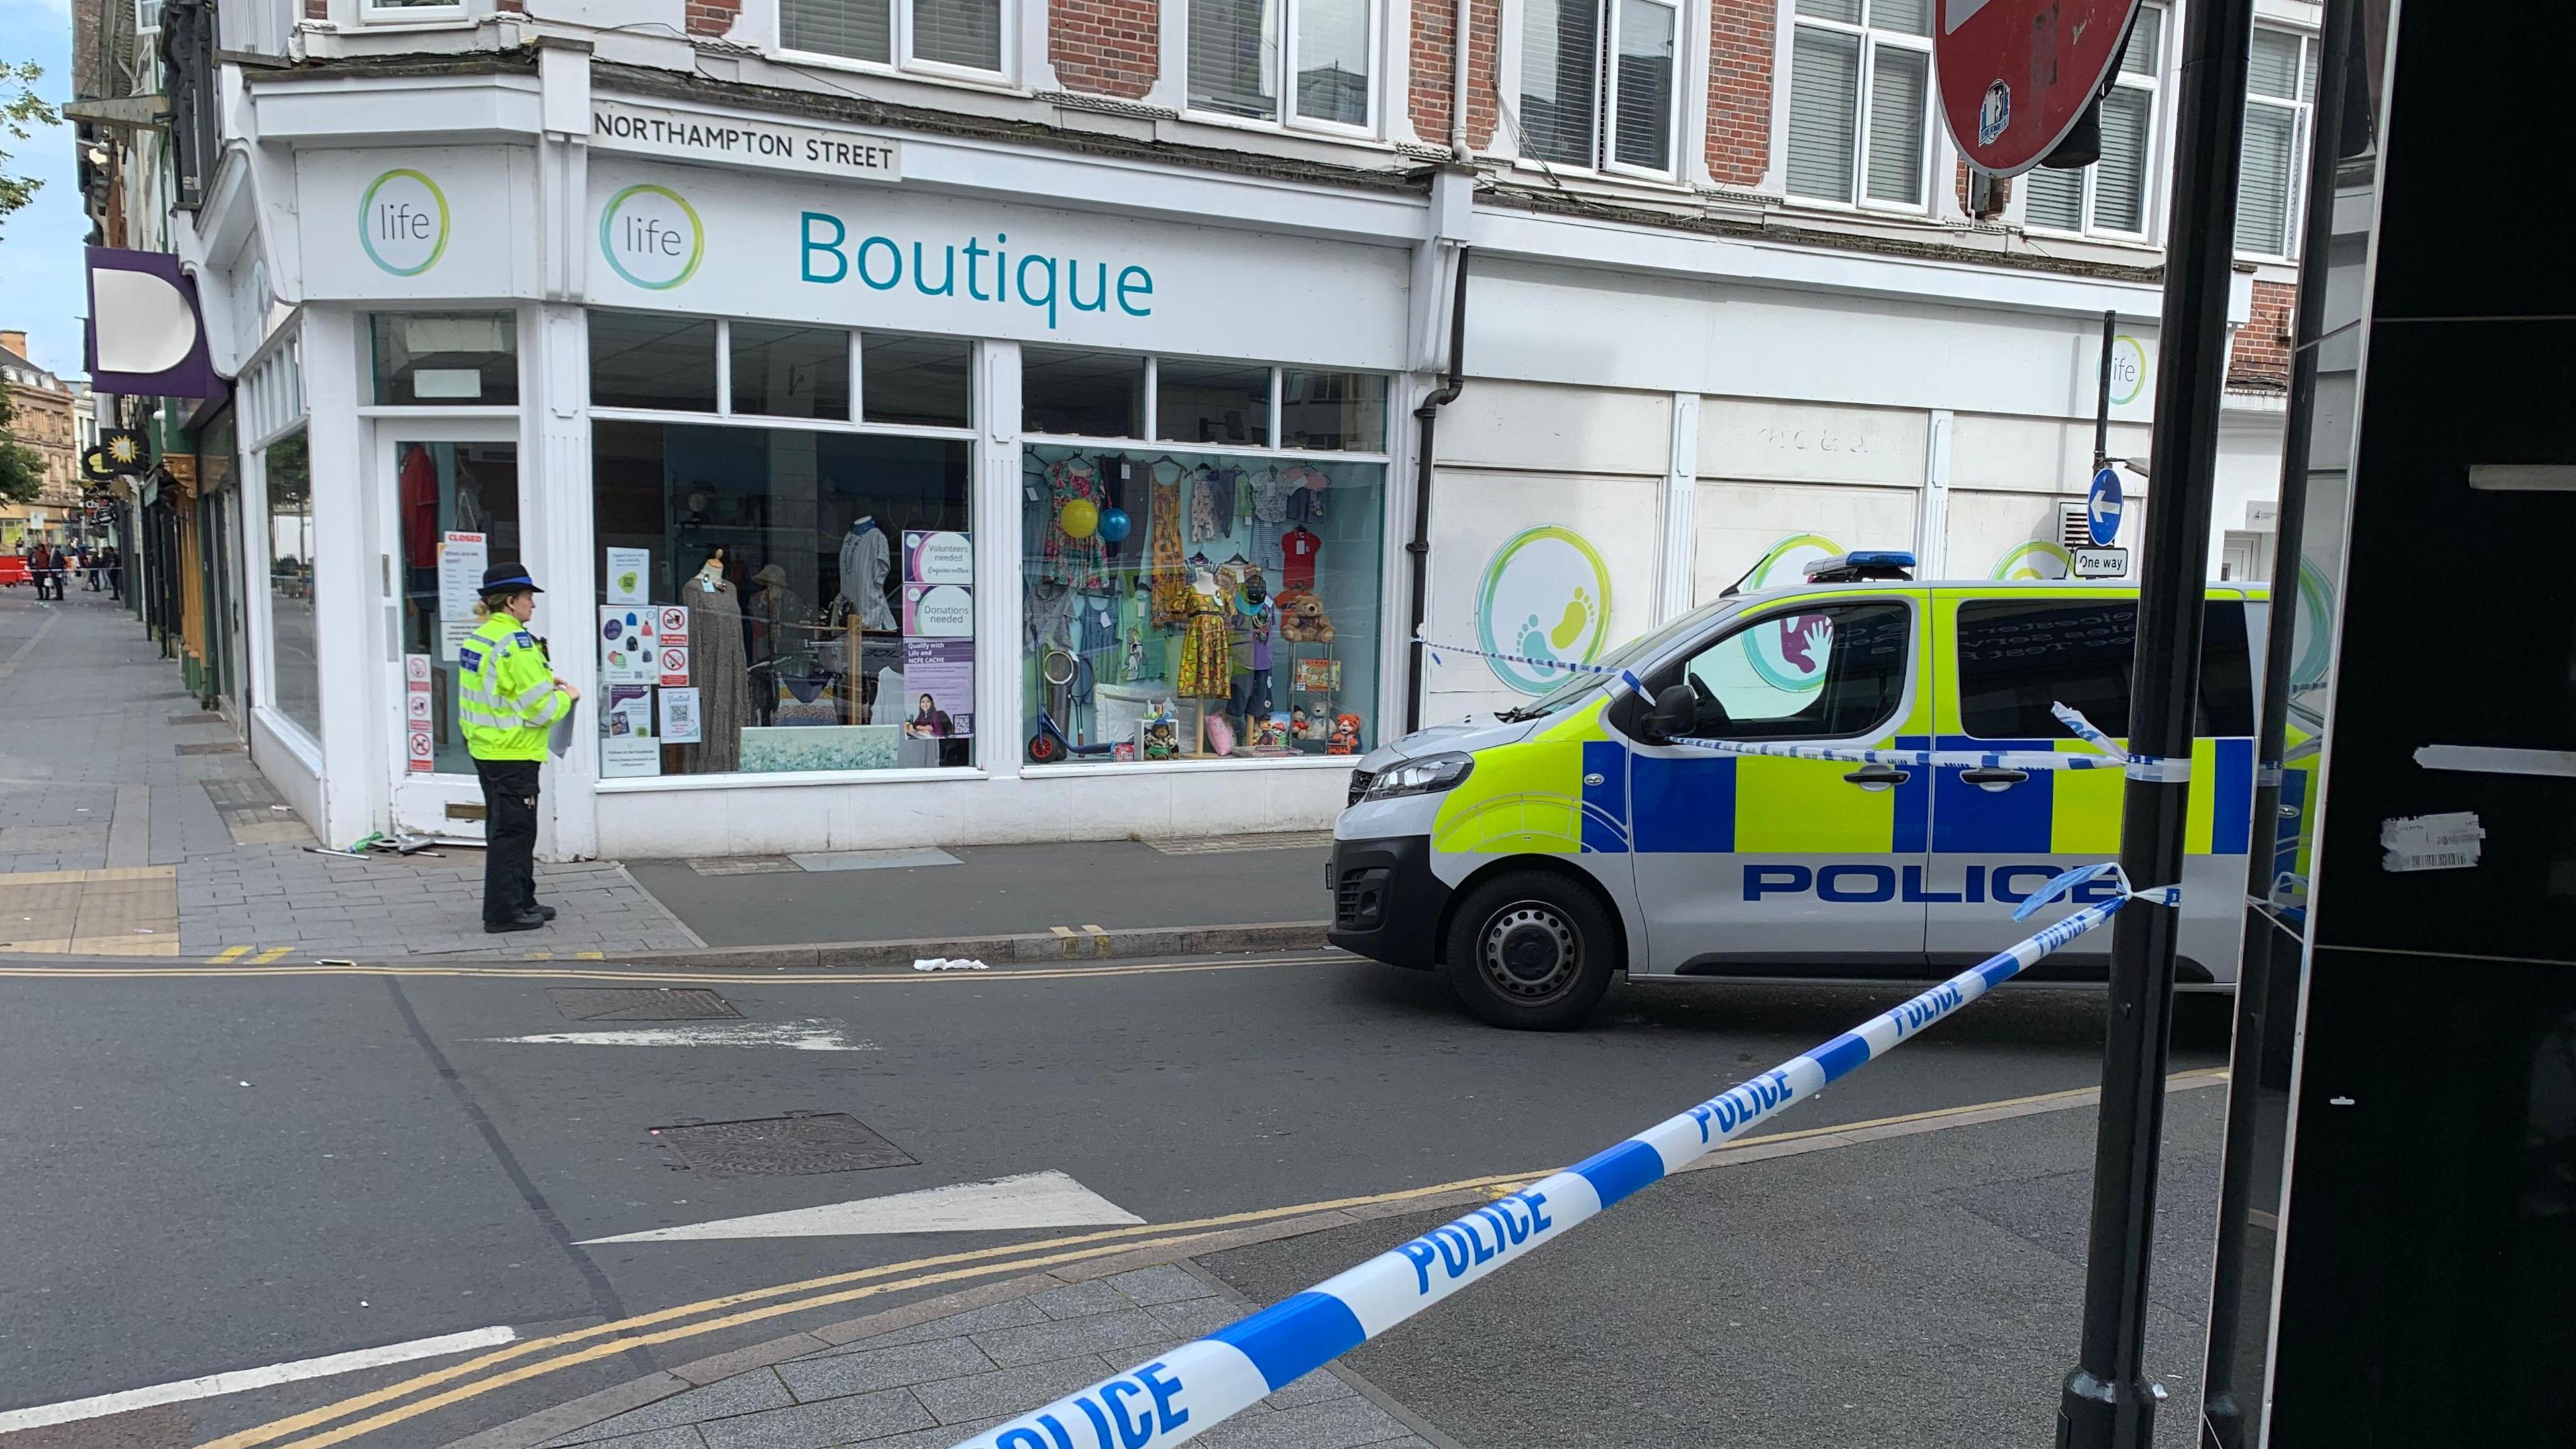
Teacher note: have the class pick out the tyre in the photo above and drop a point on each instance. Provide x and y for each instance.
(1530, 950)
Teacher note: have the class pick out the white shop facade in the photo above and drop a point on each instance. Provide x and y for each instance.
(885, 490)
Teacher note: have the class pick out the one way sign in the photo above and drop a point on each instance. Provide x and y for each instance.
(2102, 508)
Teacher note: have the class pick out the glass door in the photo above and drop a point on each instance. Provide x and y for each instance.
(455, 502)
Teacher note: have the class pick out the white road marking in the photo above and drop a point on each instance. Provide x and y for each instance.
(214, 1385)
(1029, 1200)
(801, 1036)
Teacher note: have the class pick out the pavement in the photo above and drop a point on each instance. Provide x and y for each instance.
(222, 1170)
(132, 822)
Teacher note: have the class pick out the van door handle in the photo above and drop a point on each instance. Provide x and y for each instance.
(1994, 779)
(1878, 777)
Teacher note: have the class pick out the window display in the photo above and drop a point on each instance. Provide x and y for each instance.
(779, 599)
(1199, 605)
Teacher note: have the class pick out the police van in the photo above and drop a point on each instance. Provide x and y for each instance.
(1530, 854)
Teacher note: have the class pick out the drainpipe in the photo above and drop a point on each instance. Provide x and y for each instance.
(1452, 383)
(1462, 15)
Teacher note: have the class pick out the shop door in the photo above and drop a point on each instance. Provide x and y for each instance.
(453, 496)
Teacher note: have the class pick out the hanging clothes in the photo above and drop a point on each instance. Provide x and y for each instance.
(1205, 483)
(1166, 576)
(723, 674)
(1203, 672)
(866, 558)
(1062, 558)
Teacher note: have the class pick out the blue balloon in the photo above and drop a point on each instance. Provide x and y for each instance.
(1113, 524)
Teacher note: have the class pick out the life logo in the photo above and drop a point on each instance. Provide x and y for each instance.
(1545, 596)
(1790, 655)
(2128, 369)
(403, 222)
(652, 237)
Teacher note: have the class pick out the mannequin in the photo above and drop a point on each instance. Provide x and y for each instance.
(1203, 655)
(866, 558)
(715, 629)
(1249, 625)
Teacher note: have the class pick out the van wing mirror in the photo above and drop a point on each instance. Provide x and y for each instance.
(1675, 713)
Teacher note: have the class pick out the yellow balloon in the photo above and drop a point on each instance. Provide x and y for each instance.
(1080, 519)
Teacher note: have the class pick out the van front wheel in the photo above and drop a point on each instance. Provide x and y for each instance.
(1530, 951)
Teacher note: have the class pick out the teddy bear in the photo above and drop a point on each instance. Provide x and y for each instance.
(1346, 735)
(1302, 619)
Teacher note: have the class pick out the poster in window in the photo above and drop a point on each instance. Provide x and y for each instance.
(462, 558)
(628, 640)
(630, 574)
(1319, 676)
(939, 688)
(938, 611)
(938, 557)
(680, 717)
(627, 746)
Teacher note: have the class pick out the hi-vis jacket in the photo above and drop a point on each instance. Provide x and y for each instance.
(510, 696)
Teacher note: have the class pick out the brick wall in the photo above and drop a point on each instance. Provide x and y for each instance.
(2260, 357)
(1106, 47)
(712, 17)
(1434, 56)
(1741, 34)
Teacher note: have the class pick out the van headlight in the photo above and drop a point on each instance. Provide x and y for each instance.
(1426, 776)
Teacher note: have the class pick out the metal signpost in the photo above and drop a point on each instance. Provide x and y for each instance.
(2017, 76)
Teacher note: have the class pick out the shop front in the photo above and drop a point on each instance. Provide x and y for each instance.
(868, 515)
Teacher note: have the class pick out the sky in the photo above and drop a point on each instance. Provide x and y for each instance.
(42, 291)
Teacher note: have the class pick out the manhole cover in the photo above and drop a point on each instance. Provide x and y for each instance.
(744, 865)
(639, 1003)
(211, 747)
(196, 716)
(782, 1146)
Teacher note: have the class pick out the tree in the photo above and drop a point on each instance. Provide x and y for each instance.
(22, 472)
(20, 109)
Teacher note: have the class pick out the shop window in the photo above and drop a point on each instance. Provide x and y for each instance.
(295, 668)
(1343, 412)
(460, 514)
(825, 581)
(2111, 194)
(1211, 402)
(1239, 49)
(1199, 605)
(921, 381)
(962, 33)
(1860, 101)
(461, 359)
(645, 360)
(790, 372)
(1080, 394)
(1576, 109)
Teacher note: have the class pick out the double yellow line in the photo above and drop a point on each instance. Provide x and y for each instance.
(536, 1357)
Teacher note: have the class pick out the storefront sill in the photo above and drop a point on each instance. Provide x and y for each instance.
(1189, 767)
(646, 784)
(286, 732)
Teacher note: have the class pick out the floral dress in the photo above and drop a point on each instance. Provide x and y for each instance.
(1063, 558)
(1168, 578)
(1204, 672)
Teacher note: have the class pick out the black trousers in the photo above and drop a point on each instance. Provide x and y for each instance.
(509, 838)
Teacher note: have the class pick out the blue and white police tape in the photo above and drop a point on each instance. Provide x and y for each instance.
(1567, 665)
(1184, 1393)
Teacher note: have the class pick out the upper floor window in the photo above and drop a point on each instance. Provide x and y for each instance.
(2112, 194)
(1326, 50)
(147, 17)
(2280, 94)
(964, 34)
(1597, 82)
(1860, 84)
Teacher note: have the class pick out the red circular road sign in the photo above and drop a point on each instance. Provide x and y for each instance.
(2016, 75)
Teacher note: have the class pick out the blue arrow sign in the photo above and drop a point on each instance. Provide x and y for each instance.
(2102, 508)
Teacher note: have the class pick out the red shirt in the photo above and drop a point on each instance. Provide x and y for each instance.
(1297, 570)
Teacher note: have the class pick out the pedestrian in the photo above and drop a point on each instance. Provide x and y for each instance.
(115, 576)
(511, 701)
(40, 567)
(89, 565)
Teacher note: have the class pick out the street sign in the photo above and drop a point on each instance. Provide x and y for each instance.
(2100, 563)
(2102, 508)
(2016, 75)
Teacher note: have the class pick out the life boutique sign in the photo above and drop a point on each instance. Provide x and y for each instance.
(745, 244)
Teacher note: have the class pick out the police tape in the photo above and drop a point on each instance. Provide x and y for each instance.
(1182, 1394)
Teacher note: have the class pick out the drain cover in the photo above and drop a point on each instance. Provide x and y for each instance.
(782, 1146)
(211, 747)
(744, 865)
(639, 1003)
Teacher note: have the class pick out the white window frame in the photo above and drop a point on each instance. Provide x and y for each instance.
(151, 26)
(899, 43)
(1871, 38)
(1288, 118)
(387, 12)
(2153, 167)
(2302, 106)
(1690, 27)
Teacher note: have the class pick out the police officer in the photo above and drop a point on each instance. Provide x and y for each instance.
(512, 699)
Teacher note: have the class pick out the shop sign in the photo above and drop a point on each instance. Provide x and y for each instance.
(403, 222)
(673, 135)
(1545, 596)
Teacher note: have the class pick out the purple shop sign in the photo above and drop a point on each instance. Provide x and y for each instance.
(943, 669)
(146, 335)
